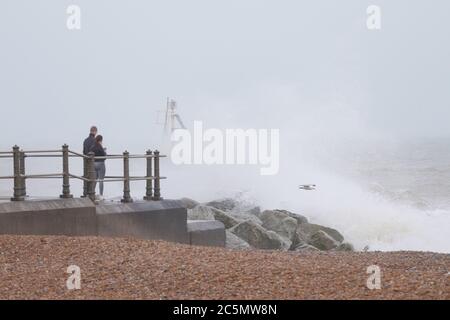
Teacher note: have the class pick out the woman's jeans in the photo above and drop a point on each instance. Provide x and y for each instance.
(100, 171)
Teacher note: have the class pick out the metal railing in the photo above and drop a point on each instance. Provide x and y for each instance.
(152, 177)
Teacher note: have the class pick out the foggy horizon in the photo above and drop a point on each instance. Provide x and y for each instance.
(234, 64)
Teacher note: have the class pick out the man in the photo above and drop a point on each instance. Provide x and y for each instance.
(89, 141)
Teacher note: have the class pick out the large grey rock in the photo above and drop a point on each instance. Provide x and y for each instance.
(255, 211)
(345, 246)
(228, 220)
(300, 219)
(240, 211)
(244, 216)
(188, 203)
(280, 222)
(258, 237)
(200, 212)
(322, 241)
(234, 242)
(306, 230)
(305, 247)
(226, 204)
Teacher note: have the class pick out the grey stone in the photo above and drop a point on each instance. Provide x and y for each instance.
(234, 242)
(258, 237)
(188, 203)
(226, 204)
(200, 212)
(345, 246)
(279, 222)
(305, 247)
(228, 220)
(300, 219)
(243, 216)
(306, 230)
(255, 211)
(321, 240)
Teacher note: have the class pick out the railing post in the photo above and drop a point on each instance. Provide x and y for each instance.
(149, 182)
(66, 178)
(126, 178)
(86, 176)
(157, 190)
(22, 172)
(91, 176)
(17, 178)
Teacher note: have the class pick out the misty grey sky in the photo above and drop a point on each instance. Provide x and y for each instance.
(234, 63)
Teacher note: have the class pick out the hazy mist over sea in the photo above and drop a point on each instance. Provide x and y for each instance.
(362, 114)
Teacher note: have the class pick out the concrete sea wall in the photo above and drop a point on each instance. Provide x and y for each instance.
(163, 220)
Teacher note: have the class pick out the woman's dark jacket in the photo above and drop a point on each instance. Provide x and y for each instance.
(99, 152)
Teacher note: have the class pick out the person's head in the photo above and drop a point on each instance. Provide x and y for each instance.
(93, 130)
(99, 139)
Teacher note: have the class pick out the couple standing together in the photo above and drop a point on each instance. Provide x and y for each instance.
(94, 143)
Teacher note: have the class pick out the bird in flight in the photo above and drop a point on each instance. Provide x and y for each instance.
(307, 187)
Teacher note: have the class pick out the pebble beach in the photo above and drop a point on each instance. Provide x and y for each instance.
(35, 267)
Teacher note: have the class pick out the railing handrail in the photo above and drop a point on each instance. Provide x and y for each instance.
(76, 154)
(88, 178)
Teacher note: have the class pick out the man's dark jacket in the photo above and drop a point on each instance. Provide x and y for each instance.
(88, 144)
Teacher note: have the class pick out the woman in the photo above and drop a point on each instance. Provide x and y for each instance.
(100, 168)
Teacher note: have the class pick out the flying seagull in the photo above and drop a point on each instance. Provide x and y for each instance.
(307, 187)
